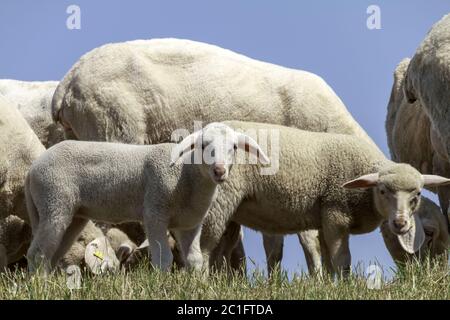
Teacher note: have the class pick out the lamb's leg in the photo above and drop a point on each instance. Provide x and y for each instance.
(189, 241)
(46, 241)
(273, 246)
(71, 235)
(309, 240)
(337, 242)
(159, 247)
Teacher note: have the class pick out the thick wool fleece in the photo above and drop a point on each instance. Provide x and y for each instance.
(33, 99)
(140, 91)
(19, 146)
(428, 78)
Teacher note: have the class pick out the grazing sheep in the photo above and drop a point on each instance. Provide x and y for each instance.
(436, 236)
(156, 86)
(408, 126)
(75, 181)
(33, 98)
(307, 193)
(427, 81)
(19, 146)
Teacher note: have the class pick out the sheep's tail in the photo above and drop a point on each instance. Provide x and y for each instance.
(33, 214)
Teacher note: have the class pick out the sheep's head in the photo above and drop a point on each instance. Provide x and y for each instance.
(217, 144)
(436, 236)
(396, 190)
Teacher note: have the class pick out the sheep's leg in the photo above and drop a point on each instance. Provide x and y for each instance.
(326, 259)
(189, 241)
(46, 241)
(273, 246)
(309, 240)
(337, 242)
(237, 259)
(71, 235)
(159, 247)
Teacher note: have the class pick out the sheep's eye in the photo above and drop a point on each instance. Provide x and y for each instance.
(418, 194)
(382, 191)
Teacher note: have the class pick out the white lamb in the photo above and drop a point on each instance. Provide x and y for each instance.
(76, 181)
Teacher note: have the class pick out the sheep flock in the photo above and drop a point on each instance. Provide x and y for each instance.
(166, 147)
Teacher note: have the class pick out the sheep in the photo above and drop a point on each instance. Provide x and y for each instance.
(19, 146)
(156, 86)
(33, 98)
(427, 81)
(436, 236)
(408, 126)
(74, 181)
(313, 189)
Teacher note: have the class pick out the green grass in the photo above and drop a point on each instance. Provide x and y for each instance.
(427, 281)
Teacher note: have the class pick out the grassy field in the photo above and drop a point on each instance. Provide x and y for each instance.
(414, 281)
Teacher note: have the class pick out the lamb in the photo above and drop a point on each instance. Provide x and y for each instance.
(33, 98)
(427, 81)
(307, 193)
(436, 236)
(156, 86)
(75, 181)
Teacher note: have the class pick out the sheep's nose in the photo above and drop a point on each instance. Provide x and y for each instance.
(400, 223)
(219, 170)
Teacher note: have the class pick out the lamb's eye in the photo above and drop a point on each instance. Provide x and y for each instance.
(382, 191)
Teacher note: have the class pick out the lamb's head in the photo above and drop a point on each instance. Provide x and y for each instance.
(396, 194)
(216, 145)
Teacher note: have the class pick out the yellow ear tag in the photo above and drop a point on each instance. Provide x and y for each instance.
(98, 254)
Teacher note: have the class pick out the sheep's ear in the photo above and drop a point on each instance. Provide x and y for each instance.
(366, 181)
(431, 180)
(249, 145)
(413, 240)
(185, 146)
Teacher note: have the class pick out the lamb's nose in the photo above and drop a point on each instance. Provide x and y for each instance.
(400, 223)
(219, 171)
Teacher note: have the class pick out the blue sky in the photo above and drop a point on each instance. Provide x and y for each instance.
(329, 38)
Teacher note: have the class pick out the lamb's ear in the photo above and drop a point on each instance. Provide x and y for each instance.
(413, 240)
(185, 146)
(249, 145)
(431, 180)
(366, 181)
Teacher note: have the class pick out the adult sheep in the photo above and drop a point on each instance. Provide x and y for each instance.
(427, 81)
(313, 197)
(141, 91)
(19, 146)
(407, 127)
(33, 99)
